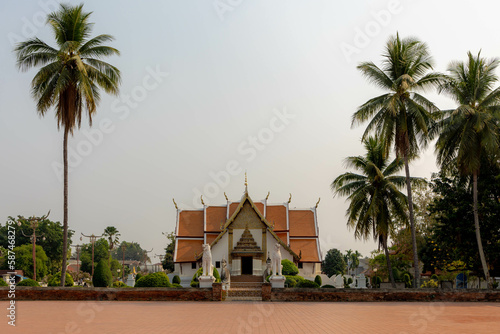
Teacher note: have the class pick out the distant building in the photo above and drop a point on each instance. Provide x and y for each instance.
(244, 233)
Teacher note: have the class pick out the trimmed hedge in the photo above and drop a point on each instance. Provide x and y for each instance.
(307, 284)
(176, 285)
(318, 280)
(289, 268)
(28, 282)
(328, 286)
(3, 283)
(176, 280)
(194, 281)
(120, 284)
(102, 275)
(56, 280)
(154, 280)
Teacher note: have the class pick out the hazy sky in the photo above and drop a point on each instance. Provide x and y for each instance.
(210, 89)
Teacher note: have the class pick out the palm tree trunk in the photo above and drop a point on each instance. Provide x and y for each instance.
(389, 266)
(65, 215)
(416, 276)
(478, 233)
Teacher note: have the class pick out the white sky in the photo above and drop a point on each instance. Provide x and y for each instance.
(229, 72)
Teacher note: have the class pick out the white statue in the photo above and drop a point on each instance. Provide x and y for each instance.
(207, 261)
(225, 274)
(276, 260)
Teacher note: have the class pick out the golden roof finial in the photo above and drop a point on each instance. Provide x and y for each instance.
(246, 182)
(225, 196)
(290, 199)
(173, 200)
(267, 195)
(319, 199)
(201, 198)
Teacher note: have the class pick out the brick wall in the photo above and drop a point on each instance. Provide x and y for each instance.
(377, 295)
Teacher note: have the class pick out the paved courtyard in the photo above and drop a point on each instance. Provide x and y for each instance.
(57, 317)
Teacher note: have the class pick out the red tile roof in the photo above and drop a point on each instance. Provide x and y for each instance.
(308, 247)
(216, 216)
(276, 214)
(186, 250)
(191, 224)
(302, 223)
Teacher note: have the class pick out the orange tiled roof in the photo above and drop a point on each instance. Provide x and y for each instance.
(216, 215)
(283, 237)
(211, 238)
(186, 250)
(276, 214)
(191, 224)
(308, 247)
(232, 208)
(302, 223)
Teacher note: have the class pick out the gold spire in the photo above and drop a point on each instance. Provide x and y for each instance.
(201, 198)
(225, 196)
(246, 182)
(173, 200)
(267, 195)
(290, 199)
(319, 199)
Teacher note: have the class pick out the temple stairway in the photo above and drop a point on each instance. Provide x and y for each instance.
(245, 288)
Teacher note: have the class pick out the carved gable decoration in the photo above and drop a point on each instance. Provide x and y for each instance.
(247, 218)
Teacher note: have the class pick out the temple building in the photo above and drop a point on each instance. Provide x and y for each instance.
(244, 233)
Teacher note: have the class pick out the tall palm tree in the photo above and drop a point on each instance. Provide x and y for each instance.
(69, 78)
(470, 133)
(113, 238)
(401, 117)
(374, 195)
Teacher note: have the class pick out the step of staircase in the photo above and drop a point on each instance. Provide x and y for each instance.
(244, 293)
(246, 278)
(246, 285)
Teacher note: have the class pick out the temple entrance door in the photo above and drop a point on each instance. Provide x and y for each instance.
(247, 265)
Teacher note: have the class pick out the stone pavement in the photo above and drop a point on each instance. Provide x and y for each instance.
(46, 317)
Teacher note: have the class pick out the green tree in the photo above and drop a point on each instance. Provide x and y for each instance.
(113, 238)
(102, 276)
(100, 252)
(334, 263)
(133, 251)
(401, 117)
(168, 260)
(24, 260)
(470, 133)
(352, 259)
(69, 79)
(375, 201)
(51, 243)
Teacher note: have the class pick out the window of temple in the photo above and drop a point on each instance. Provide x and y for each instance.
(193, 265)
(301, 265)
(217, 264)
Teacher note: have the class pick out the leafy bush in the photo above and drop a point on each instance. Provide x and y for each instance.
(154, 280)
(176, 285)
(28, 282)
(119, 284)
(3, 283)
(430, 284)
(176, 279)
(318, 280)
(138, 276)
(102, 275)
(194, 284)
(376, 281)
(407, 280)
(434, 277)
(307, 284)
(56, 280)
(289, 268)
(327, 286)
(199, 272)
(290, 282)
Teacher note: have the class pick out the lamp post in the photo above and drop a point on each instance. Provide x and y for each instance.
(93, 238)
(33, 221)
(123, 262)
